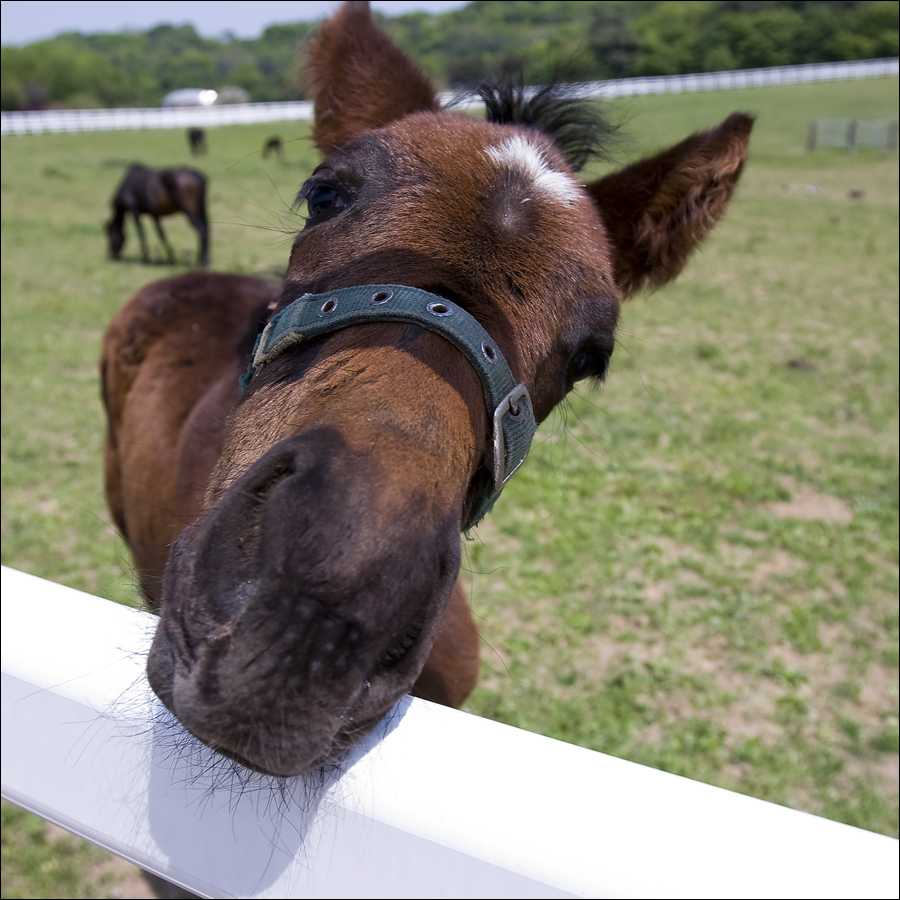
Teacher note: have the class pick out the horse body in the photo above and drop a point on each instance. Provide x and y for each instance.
(273, 145)
(315, 582)
(159, 193)
(170, 364)
(196, 140)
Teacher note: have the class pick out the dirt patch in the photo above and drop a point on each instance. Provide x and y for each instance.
(117, 876)
(749, 714)
(605, 655)
(781, 565)
(656, 591)
(807, 504)
(127, 880)
(671, 551)
(884, 770)
(489, 534)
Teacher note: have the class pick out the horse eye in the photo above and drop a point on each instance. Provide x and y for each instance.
(587, 364)
(325, 200)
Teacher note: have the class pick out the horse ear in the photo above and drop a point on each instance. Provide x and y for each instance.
(360, 79)
(658, 210)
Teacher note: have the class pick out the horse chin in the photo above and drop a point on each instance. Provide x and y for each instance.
(287, 739)
(295, 765)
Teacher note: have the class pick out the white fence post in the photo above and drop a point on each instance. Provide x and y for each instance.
(436, 803)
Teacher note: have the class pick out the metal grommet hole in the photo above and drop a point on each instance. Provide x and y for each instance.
(439, 309)
(328, 306)
(382, 296)
(490, 353)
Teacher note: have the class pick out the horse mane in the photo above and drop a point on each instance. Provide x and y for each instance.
(576, 124)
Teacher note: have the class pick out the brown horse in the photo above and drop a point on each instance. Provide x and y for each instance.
(159, 193)
(303, 541)
(273, 145)
(196, 140)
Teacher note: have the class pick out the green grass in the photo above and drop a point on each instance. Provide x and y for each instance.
(59, 294)
(697, 567)
(42, 861)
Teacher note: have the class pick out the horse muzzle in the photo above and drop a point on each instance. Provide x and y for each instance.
(300, 607)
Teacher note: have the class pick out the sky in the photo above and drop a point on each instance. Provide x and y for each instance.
(24, 21)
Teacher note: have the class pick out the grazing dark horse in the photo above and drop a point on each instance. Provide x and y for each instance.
(159, 193)
(273, 145)
(453, 282)
(197, 140)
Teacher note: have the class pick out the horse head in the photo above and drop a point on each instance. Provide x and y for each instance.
(115, 235)
(307, 596)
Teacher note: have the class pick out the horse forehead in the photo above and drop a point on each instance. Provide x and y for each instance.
(460, 149)
(521, 155)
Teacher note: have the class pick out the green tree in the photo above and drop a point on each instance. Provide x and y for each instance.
(613, 45)
(667, 38)
(580, 40)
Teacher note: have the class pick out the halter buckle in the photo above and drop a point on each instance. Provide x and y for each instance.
(508, 406)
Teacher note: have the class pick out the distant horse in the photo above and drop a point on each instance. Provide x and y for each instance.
(273, 145)
(159, 193)
(197, 140)
(453, 282)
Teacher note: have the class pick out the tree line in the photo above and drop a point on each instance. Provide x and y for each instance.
(577, 40)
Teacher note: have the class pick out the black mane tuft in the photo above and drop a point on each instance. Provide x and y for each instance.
(577, 124)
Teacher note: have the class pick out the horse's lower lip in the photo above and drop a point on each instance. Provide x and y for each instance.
(327, 756)
(340, 744)
(243, 761)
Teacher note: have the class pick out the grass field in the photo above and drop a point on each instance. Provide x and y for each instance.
(696, 569)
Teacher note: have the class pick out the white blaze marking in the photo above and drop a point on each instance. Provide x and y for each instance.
(519, 154)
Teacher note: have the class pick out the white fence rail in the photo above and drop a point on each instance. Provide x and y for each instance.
(748, 78)
(437, 803)
(56, 120)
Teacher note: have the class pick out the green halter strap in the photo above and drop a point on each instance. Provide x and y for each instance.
(512, 417)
